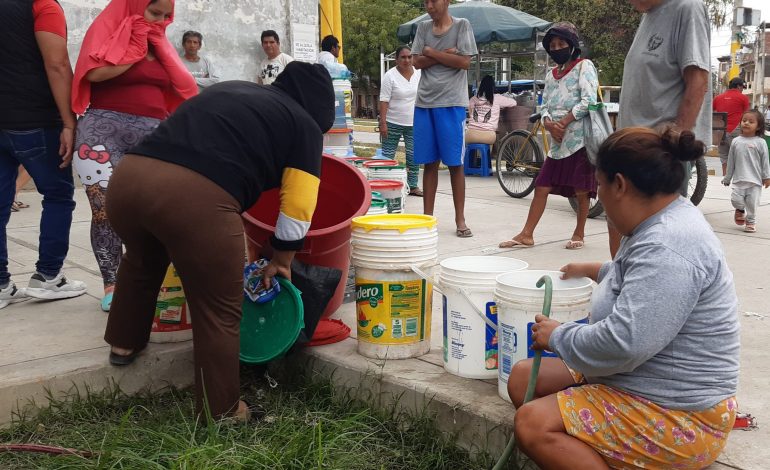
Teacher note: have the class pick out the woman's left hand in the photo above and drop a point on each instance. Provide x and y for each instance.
(556, 131)
(541, 332)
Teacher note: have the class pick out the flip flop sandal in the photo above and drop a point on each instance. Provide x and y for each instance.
(464, 233)
(124, 360)
(514, 244)
(740, 217)
(20, 204)
(415, 192)
(107, 302)
(575, 244)
(750, 228)
(14, 207)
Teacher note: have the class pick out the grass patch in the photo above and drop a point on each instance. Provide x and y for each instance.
(306, 426)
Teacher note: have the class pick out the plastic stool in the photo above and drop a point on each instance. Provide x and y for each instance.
(482, 165)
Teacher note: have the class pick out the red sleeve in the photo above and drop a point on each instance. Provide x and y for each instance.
(49, 17)
(746, 103)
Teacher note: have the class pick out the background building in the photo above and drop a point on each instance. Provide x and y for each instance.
(230, 29)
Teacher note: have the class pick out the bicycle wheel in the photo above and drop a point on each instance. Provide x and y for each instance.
(519, 159)
(595, 208)
(697, 185)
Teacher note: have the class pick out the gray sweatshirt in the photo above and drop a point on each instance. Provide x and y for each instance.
(664, 323)
(747, 161)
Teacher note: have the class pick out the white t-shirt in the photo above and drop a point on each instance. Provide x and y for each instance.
(400, 94)
(270, 68)
(326, 58)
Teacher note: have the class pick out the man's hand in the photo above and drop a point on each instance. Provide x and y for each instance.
(766, 182)
(541, 332)
(66, 145)
(280, 265)
(383, 130)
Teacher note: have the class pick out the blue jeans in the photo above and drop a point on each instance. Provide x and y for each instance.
(38, 151)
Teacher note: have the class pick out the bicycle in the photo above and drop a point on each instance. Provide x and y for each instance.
(520, 157)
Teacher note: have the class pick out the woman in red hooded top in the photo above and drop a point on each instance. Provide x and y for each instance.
(128, 78)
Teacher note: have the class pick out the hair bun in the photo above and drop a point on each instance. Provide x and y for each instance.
(682, 144)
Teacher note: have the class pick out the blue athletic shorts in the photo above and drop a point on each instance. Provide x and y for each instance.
(439, 134)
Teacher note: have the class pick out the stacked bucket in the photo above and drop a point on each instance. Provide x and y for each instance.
(393, 297)
(339, 140)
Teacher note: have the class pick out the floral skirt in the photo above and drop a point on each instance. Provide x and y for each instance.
(631, 432)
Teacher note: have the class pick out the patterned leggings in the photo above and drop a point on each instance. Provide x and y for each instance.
(102, 139)
(395, 132)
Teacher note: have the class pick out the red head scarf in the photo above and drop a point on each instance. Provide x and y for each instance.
(118, 36)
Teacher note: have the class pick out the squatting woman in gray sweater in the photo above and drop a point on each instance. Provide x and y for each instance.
(650, 382)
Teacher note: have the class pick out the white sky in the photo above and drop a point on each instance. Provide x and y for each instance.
(720, 38)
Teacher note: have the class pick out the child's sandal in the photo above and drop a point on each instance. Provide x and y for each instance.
(740, 217)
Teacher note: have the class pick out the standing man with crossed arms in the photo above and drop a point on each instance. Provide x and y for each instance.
(442, 50)
(666, 74)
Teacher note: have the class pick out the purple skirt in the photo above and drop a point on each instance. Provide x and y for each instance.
(568, 176)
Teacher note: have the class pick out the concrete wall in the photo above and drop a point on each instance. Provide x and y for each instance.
(230, 28)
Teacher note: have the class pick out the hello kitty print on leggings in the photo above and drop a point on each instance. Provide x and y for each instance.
(101, 140)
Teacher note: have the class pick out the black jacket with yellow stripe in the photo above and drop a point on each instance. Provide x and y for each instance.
(250, 138)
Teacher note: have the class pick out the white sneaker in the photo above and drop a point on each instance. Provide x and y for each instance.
(57, 288)
(10, 295)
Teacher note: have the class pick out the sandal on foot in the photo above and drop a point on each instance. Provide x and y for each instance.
(464, 232)
(107, 302)
(14, 207)
(513, 243)
(740, 217)
(751, 228)
(20, 205)
(415, 192)
(124, 360)
(574, 244)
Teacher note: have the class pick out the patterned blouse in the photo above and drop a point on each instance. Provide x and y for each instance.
(572, 92)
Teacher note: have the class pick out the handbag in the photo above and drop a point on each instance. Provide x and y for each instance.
(596, 127)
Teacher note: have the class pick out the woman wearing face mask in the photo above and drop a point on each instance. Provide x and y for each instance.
(569, 88)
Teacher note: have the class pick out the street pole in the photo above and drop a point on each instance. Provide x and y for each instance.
(735, 43)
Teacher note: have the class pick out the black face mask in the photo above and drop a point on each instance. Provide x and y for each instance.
(561, 56)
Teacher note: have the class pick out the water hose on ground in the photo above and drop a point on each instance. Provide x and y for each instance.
(533, 372)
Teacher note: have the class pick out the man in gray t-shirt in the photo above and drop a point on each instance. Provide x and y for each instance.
(442, 50)
(666, 73)
(199, 67)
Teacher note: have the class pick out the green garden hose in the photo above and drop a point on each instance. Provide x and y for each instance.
(533, 373)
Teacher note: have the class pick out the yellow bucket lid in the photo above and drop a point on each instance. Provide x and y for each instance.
(400, 222)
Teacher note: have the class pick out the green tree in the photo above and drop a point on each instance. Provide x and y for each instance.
(370, 26)
(606, 26)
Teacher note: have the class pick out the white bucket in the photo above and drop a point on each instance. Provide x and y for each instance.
(468, 285)
(335, 138)
(518, 300)
(339, 151)
(393, 192)
(343, 96)
(393, 303)
(172, 322)
(377, 206)
(397, 173)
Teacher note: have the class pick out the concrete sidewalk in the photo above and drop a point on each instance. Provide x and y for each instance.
(58, 346)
